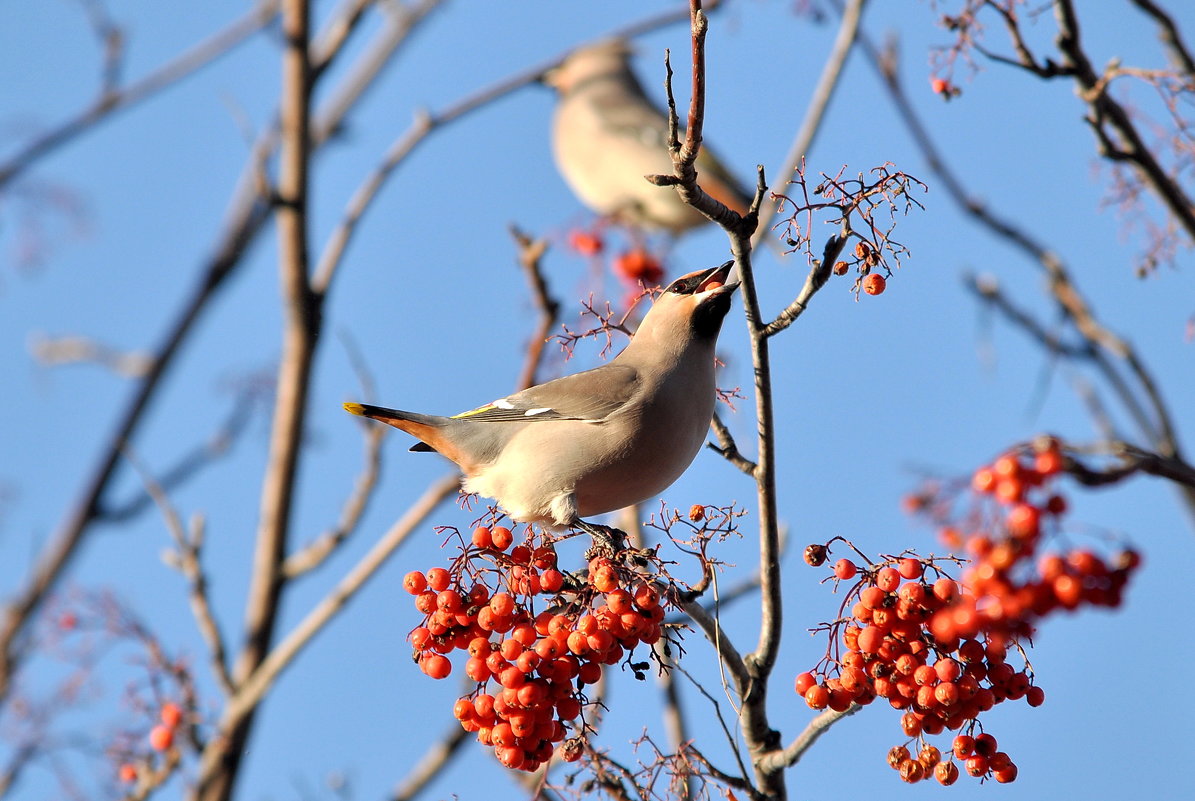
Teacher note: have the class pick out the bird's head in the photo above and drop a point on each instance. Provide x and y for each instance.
(690, 309)
(606, 58)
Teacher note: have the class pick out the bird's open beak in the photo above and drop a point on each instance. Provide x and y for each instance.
(715, 279)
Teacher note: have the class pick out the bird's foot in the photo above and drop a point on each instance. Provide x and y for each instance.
(607, 541)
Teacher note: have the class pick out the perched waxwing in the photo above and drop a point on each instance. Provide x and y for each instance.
(607, 134)
(598, 440)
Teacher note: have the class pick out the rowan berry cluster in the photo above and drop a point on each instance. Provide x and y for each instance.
(1011, 583)
(161, 738)
(938, 649)
(885, 648)
(532, 667)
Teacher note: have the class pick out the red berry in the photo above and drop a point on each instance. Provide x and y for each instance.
(502, 537)
(804, 682)
(585, 242)
(888, 579)
(414, 582)
(127, 772)
(845, 569)
(171, 715)
(946, 773)
(817, 697)
(639, 266)
(438, 579)
(939, 86)
(161, 737)
(482, 537)
(874, 284)
(910, 568)
(436, 665)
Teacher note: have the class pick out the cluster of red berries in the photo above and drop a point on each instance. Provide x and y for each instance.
(635, 266)
(938, 650)
(161, 738)
(1010, 584)
(541, 662)
(889, 651)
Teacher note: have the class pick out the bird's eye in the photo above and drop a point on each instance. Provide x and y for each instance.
(677, 287)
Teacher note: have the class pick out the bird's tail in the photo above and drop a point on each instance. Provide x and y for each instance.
(424, 427)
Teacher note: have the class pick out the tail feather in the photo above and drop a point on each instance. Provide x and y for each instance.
(429, 429)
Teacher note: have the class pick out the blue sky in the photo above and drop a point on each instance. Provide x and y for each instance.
(868, 392)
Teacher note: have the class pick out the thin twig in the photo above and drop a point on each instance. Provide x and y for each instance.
(792, 753)
(112, 100)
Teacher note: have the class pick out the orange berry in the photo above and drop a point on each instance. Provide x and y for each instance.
(984, 480)
(127, 772)
(817, 697)
(502, 604)
(438, 579)
(1006, 774)
(1024, 520)
(939, 86)
(436, 666)
(897, 755)
(639, 265)
(551, 581)
(161, 737)
(501, 537)
(482, 538)
(845, 569)
(976, 765)
(585, 242)
(874, 284)
(414, 582)
(804, 682)
(910, 568)
(1048, 463)
(171, 715)
(946, 773)
(963, 746)
(888, 579)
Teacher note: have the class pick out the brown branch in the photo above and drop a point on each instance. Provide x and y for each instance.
(792, 753)
(1132, 460)
(112, 99)
(819, 274)
(531, 253)
(253, 689)
(1108, 112)
(1158, 427)
(726, 447)
(437, 757)
(186, 559)
(250, 211)
(1168, 33)
(316, 552)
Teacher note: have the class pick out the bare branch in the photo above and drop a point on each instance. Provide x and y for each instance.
(727, 449)
(1168, 33)
(792, 753)
(437, 757)
(112, 99)
(253, 689)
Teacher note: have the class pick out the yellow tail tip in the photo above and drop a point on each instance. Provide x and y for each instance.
(355, 408)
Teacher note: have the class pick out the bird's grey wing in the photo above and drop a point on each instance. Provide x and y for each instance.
(592, 396)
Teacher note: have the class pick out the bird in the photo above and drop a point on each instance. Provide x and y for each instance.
(607, 134)
(598, 440)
